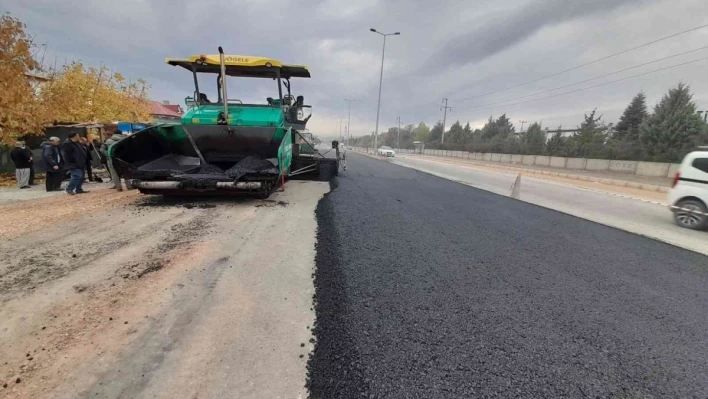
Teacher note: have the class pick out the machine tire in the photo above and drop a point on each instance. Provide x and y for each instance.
(688, 220)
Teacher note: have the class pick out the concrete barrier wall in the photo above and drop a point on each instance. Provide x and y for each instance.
(650, 169)
(558, 162)
(653, 169)
(542, 160)
(597, 164)
(528, 159)
(623, 166)
(576, 163)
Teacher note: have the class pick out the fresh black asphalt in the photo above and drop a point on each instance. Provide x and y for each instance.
(426, 288)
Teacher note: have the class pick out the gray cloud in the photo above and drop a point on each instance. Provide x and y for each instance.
(454, 49)
(502, 29)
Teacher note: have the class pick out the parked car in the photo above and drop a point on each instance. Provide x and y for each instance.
(386, 151)
(688, 196)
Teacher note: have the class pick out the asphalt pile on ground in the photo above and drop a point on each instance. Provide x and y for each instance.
(428, 288)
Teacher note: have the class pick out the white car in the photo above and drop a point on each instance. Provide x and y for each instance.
(385, 151)
(688, 197)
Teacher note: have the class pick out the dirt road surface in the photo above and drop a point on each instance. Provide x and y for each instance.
(128, 296)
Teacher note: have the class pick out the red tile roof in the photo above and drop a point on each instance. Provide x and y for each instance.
(163, 110)
(174, 107)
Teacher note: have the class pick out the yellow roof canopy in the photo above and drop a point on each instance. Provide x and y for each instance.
(240, 65)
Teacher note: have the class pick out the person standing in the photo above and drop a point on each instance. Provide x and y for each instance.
(52, 158)
(75, 160)
(117, 136)
(31, 156)
(89, 158)
(22, 165)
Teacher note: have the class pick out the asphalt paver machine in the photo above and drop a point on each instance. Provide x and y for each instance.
(224, 145)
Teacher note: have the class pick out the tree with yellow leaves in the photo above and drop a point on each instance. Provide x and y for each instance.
(19, 109)
(73, 94)
(80, 94)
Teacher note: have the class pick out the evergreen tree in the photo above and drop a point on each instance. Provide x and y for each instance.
(534, 139)
(590, 139)
(504, 127)
(627, 129)
(674, 128)
(489, 130)
(456, 136)
(436, 133)
(556, 145)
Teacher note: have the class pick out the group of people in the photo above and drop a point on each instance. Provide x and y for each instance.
(74, 156)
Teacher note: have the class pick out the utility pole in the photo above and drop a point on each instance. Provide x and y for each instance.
(444, 107)
(398, 136)
(378, 108)
(349, 120)
(522, 126)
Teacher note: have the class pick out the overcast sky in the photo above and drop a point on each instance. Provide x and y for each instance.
(454, 49)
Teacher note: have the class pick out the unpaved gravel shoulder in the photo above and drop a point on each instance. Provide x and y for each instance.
(163, 298)
(25, 217)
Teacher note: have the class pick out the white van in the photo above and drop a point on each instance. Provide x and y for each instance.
(688, 197)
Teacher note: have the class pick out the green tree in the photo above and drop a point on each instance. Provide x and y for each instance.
(456, 136)
(674, 128)
(422, 133)
(436, 133)
(534, 141)
(627, 129)
(557, 144)
(467, 131)
(589, 140)
(504, 127)
(489, 130)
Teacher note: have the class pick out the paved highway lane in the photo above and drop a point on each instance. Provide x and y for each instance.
(640, 217)
(429, 288)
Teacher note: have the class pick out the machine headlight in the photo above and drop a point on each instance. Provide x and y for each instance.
(300, 115)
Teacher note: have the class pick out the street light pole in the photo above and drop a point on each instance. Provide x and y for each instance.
(349, 119)
(378, 108)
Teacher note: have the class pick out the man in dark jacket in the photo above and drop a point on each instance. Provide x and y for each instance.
(117, 136)
(75, 160)
(22, 164)
(53, 159)
(89, 158)
(29, 153)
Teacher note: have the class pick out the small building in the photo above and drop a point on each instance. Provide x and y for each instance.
(165, 112)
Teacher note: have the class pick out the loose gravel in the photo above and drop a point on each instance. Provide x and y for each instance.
(426, 288)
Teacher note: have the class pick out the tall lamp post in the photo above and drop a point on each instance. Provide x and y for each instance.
(349, 119)
(378, 108)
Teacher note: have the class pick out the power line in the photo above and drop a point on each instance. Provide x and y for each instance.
(486, 106)
(597, 77)
(585, 64)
